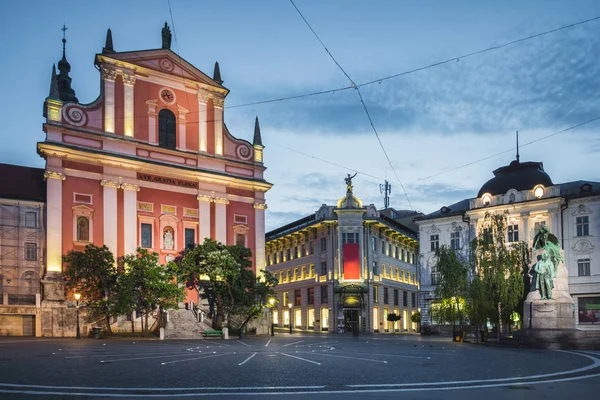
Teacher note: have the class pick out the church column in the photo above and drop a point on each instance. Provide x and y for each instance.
(109, 77)
(182, 131)
(130, 217)
(110, 214)
(202, 113)
(152, 121)
(218, 103)
(221, 219)
(204, 216)
(525, 217)
(128, 82)
(54, 221)
(259, 237)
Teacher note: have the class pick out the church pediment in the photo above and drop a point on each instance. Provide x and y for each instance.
(162, 60)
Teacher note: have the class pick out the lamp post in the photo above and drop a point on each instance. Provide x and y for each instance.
(290, 315)
(77, 297)
(272, 303)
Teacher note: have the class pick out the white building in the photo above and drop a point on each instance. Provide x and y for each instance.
(345, 266)
(570, 210)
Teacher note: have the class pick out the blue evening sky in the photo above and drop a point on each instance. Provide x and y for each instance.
(429, 121)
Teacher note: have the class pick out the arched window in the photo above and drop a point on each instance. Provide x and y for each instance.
(83, 229)
(166, 129)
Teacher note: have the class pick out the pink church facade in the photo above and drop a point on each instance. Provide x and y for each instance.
(149, 163)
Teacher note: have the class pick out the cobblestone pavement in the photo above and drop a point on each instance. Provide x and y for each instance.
(302, 366)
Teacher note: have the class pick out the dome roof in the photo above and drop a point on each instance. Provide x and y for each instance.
(518, 176)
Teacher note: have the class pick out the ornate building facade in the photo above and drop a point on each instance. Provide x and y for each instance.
(526, 192)
(150, 163)
(345, 267)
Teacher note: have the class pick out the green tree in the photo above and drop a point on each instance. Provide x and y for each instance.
(452, 287)
(500, 269)
(93, 273)
(146, 286)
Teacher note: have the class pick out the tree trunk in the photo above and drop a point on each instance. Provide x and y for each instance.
(499, 320)
(108, 328)
(132, 322)
(146, 318)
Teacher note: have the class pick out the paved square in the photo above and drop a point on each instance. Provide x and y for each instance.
(310, 365)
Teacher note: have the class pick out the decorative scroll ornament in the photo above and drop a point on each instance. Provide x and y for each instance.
(204, 197)
(109, 74)
(220, 200)
(130, 186)
(129, 79)
(75, 116)
(54, 175)
(218, 102)
(260, 206)
(243, 151)
(202, 98)
(109, 183)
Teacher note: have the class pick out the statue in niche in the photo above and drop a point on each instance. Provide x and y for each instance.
(83, 229)
(168, 243)
(348, 180)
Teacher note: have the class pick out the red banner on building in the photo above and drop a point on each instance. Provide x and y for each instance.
(351, 261)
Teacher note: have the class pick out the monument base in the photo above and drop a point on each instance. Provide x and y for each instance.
(54, 287)
(549, 314)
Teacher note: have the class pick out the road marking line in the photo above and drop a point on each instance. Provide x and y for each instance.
(267, 345)
(300, 358)
(289, 344)
(239, 341)
(195, 358)
(387, 355)
(247, 359)
(139, 358)
(314, 344)
(122, 355)
(351, 358)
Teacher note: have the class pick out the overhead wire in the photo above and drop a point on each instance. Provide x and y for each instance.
(361, 100)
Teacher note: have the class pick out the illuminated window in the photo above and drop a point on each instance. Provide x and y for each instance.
(435, 242)
(311, 317)
(375, 294)
(583, 267)
(513, 233)
(275, 317)
(166, 129)
(487, 199)
(583, 226)
(324, 318)
(286, 318)
(376, 319)
(538, 192)
(298, 318)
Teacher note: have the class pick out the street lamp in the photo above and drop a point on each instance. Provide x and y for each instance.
(272, 303)
(290, 316)
(77, 297)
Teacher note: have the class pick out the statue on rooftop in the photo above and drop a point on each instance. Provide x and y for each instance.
(348, 180)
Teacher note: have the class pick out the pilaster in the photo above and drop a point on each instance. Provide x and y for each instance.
(54, 220)
(221, 219)
(204, 217)
(128, 83)
(130, 217)
(202, 120)
(218, 105)
(109, 77)
(152, 114)
(182, 131)
(259, 237)
(110, 214)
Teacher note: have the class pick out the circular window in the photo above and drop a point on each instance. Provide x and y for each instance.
(538, 191)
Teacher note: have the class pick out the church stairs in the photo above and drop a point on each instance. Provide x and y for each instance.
(183, 324)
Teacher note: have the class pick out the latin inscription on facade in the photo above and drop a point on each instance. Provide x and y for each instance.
(167, 181)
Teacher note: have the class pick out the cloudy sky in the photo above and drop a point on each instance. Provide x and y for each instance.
(430, 122)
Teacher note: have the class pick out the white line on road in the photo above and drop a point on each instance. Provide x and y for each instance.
(300, 358)
(247, 359)
(314, 344)
(239, 341)
(351, 358)
(267, 345)
(195, 358)
(140, 358)
(289, 344)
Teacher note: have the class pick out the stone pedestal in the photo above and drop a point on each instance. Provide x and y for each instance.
(54, 287)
